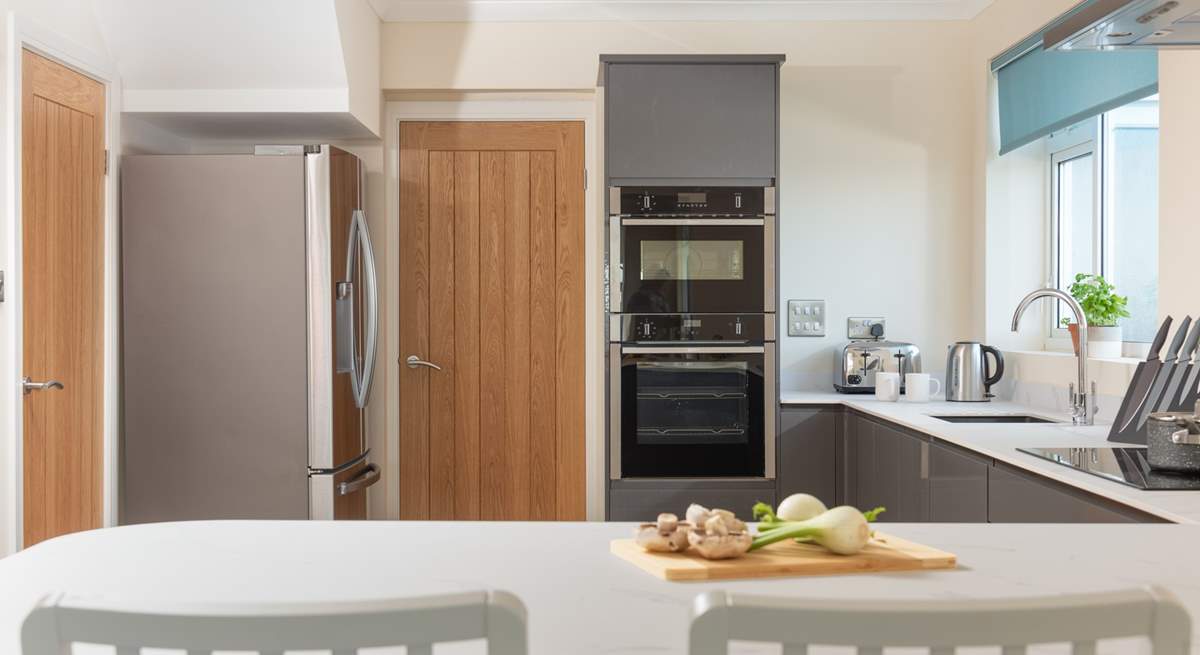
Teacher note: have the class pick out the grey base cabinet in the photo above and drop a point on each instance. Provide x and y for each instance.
(808, 445)
(644, 500)
(1018, 497)
(889, 471)
(958, 485)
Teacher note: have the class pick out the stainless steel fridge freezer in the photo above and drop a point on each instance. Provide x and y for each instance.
(249, 330)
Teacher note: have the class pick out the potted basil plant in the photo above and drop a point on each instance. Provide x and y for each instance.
(1103, 308)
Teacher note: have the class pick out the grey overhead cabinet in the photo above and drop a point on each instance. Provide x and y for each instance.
(691, 119)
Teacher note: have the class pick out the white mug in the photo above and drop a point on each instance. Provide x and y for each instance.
(916, 387)
(887, 386)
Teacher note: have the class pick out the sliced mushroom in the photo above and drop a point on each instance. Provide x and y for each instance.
(720, 546)
(717, 534)
(666, 535)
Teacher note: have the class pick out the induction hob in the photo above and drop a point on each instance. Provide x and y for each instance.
(1125, 465)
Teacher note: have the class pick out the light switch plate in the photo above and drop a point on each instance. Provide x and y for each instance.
(806, 318)
(859, 327)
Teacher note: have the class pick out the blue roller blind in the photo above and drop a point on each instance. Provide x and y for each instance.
(1042, 91)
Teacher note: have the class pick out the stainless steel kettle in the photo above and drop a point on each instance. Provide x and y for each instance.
(969, 379)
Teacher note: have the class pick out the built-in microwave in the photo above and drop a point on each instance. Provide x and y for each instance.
(692, 250)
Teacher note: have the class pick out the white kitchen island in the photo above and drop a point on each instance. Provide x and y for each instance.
(580, 598)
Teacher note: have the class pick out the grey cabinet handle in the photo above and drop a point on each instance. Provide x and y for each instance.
(29, 386)
(413, 362)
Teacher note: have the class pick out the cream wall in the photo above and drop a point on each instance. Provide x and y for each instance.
(876, 150)
(1178, 201)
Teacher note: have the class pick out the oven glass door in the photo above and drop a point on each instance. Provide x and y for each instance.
(690, 267)
(699, 413)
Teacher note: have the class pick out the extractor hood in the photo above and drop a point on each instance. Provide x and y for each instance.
(1133, 24)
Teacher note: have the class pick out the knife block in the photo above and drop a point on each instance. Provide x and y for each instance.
(1168, 386)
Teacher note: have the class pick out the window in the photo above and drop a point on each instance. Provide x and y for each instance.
(1104, 210)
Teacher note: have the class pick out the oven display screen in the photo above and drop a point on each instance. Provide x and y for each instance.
(691, 198)
(691, 323)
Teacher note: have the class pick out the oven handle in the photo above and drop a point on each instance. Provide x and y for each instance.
(703, 350)
(720, 222)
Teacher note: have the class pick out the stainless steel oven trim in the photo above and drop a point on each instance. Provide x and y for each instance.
(616, 265)
(769, 265)
(694, 350)
(614, 408)
(717, 222)
(769, 200)
(614, 200)
(769, 406)
(769, 327)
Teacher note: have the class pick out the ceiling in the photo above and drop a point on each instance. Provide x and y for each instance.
(675, 10)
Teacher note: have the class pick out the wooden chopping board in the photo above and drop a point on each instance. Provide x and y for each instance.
(788, 558)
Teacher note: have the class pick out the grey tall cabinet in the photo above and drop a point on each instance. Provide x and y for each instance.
(689, 120)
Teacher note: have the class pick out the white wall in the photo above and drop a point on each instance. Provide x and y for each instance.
(876, 150)
(70, 22)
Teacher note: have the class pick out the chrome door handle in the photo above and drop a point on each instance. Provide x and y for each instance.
(413, 362)
(30, 386)
(368, 477)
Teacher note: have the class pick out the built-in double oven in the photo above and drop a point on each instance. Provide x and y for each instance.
(691, 294)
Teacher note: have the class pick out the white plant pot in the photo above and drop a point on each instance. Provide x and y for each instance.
(1104, 341)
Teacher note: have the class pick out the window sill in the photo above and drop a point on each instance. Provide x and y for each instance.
(1069, 355)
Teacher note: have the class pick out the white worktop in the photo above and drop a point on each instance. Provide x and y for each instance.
(1001, 441)
(581, 599)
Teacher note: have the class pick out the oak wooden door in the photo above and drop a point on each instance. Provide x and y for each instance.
(62, 218)
(491, 292)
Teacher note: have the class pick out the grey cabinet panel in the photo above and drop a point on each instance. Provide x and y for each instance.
(808, 453)
(697, 120)
(958, 485)
(1017, 497)
(890, 472)
(643, 500)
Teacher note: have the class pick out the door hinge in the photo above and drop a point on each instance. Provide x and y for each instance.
(106, 161)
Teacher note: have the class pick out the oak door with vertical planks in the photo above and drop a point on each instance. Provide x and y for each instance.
(491, 291)
(62, 242)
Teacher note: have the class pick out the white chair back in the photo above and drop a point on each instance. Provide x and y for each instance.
(341, 628)
(941, 626)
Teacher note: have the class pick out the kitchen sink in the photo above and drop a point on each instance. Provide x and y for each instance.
(995, 418)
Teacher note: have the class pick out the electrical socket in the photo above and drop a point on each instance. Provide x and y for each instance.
(859, 327)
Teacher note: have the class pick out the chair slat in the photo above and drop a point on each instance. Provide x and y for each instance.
(942, 626)
(341, 628)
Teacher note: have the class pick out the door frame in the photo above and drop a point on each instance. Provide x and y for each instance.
(24, 34)
(503, 106)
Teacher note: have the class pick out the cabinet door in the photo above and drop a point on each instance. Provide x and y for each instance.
(891, 472)
(807, 453)
(1017, 497)
(958, 486)
(703, 121)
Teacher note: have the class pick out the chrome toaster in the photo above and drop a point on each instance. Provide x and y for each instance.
(859, 361)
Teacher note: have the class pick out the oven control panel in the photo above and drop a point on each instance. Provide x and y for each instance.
(694, 328)
(694, 201)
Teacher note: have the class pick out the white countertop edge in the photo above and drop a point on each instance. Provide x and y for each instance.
(1175, 506)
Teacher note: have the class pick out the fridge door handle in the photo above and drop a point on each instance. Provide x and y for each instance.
(368, 477)
(371, 311)
(358, 243)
